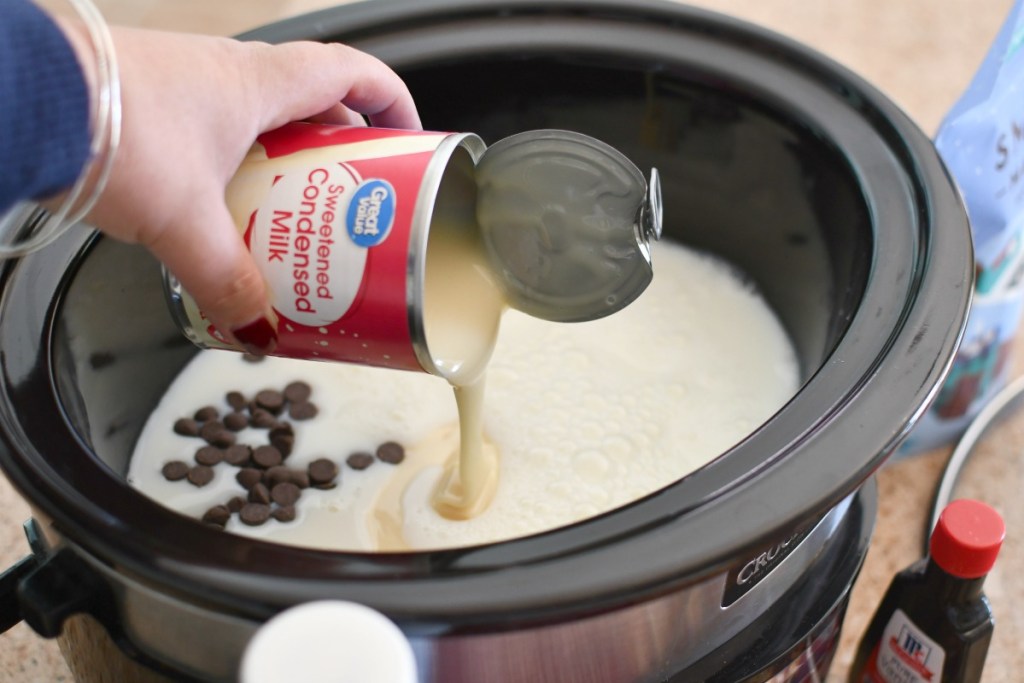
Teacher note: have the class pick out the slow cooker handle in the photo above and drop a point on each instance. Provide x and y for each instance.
(62, 585)
(45, 592)
(10, 609)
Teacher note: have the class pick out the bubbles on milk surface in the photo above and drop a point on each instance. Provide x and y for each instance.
(587, 416)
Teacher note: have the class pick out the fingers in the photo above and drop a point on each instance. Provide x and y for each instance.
(367, 85)
(212, 263)
(379, 93)
(304, 79)
(340, 115)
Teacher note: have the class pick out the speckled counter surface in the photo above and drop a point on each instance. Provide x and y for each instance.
(922, 53)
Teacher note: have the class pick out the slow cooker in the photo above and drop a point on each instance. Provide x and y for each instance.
(804, 177)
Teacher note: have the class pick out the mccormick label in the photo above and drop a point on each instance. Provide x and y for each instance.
(904, 655)
(336, 221)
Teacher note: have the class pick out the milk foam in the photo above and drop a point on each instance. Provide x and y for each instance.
(586, 417)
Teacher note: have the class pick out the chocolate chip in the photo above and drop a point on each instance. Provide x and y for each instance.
(222, 439)
(236, 503)
(285, 513)
(200, 475)
(236, 400)
(210, 427)
(236, 421)
(218, 515)
(305, 410)
(359, 461)
(238, 455)
(209, 455)
(186, 426)
(283, 441)
(216, 434)
(175, 470)
(322, 471)
(280, 474)
(297, 392)
(254, 514)
(262, 419)
(248, 477)
(300, 478)
(285, 493)
(252, 358)
(206, 413)
(259, 494)
(267, 456)
(282, 428)
(391, 452)
(277, 474)
(327, 486)
(270, 399)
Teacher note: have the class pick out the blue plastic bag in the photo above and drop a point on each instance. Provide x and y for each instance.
(982, 142)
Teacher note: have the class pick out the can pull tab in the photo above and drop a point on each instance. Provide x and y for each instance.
(566, 222)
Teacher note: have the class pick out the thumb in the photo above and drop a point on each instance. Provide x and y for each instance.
(210, 259)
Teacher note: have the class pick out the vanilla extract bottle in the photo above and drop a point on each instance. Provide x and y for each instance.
(934, 624)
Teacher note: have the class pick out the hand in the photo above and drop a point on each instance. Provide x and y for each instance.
(192, 107)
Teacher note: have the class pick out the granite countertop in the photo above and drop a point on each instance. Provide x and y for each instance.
(922, 53)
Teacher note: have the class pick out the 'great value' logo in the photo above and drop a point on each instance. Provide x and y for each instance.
(371, 212)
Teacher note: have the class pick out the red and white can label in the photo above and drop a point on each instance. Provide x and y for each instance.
(329, 214)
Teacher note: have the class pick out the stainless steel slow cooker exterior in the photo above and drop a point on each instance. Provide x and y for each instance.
(114, 627)
(806, 178)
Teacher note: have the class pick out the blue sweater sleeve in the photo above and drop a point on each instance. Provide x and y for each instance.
(44, 106)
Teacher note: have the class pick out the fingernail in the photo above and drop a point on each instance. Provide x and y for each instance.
(259, 338)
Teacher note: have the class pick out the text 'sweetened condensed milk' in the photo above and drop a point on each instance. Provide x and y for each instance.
(338, 220)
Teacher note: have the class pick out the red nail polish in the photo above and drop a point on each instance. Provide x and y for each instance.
(259, 338)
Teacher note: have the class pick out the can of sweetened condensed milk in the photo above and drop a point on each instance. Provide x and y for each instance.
(338, 219)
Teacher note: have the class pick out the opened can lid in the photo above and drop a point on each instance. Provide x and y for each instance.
(566, 221)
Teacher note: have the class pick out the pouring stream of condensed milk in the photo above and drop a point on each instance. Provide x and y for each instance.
(553, 223)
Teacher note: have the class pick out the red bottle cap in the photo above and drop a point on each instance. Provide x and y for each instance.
(967, 538)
